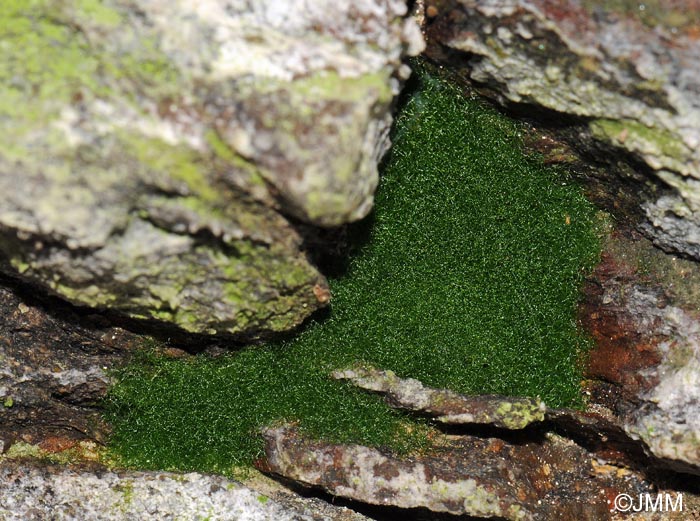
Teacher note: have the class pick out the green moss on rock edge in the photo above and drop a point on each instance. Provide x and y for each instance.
(465, 277)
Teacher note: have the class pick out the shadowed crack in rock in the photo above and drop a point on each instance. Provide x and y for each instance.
(543, 477)
(599, 432)
(567, 465)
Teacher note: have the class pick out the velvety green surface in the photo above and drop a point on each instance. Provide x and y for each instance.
(465, 277)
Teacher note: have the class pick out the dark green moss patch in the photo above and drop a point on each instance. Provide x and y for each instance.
(468, 279)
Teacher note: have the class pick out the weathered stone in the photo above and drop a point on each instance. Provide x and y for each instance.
(36, 491)
(151, 149)
(621, 86)
(569, 465)
(446, 406)
(608, 76)
(535, 476)
(598, 430)
(54, 372)
(641, 307)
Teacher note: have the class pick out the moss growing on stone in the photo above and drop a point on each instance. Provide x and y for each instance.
(465, 277)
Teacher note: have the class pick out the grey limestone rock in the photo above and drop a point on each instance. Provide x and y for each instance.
(34, 492)
(152, 151)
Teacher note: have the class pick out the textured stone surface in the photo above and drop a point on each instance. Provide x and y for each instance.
(642, 308)
(533, 477)
(446, 406)
(599, 430)
(34, 492)
(620, 77)
(568, 465)
(152, 149)
(54, 372)
(619, 82)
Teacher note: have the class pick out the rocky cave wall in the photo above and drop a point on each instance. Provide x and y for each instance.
(171, 161)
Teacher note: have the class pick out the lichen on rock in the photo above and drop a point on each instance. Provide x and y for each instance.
(152, 153)
(545, 477)
(40, 491)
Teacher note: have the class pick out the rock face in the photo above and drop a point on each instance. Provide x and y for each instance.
(544, 478)
(152, 150)
(608, 76)
(54, 372)
(447, 406)
(617, 85)
(642, 308)
(564, 465)
(32, 491)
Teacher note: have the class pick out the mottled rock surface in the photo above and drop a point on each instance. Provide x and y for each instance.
(446, 406)
(536, 477)
(642, 308)
(612, 86)
(34, 491)
(54, 372)
(618, 80)
(569, 465)
(153, 150)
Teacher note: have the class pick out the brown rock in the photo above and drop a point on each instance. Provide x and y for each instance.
(536, 477)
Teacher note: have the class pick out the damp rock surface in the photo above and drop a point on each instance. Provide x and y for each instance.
(616, 79)
(153, 151)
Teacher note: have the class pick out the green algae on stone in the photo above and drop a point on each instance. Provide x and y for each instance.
(466, 278)
(650, 12)
(326, 85)
(43, 49)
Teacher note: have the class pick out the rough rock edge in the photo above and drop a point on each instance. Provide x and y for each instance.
(367, 475)
(33, 490)
(446, 406)
(663, 429)
(544, 478)
(641, 308)
(165, 137)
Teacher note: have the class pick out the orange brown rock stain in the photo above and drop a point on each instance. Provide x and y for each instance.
(625, 343)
